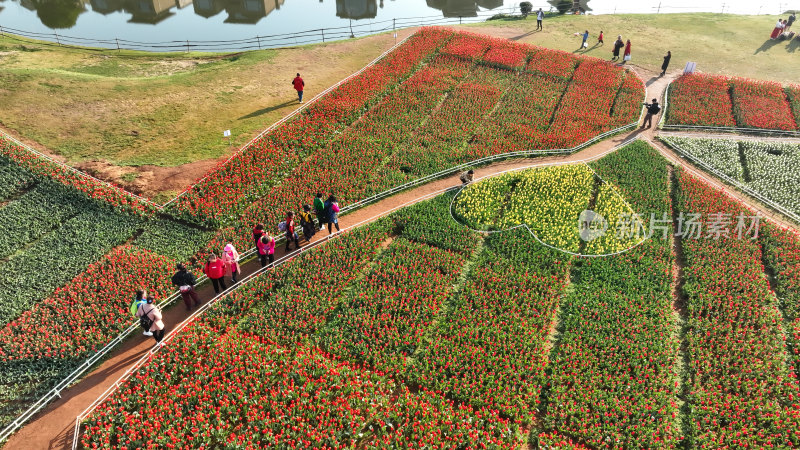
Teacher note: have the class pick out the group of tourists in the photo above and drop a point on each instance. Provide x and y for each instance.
(782, 30)
(618, 45)
(227, 264)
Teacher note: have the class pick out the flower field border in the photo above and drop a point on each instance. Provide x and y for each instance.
(730, 181)
(705, 128)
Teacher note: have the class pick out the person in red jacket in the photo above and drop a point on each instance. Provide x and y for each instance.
(299, 84)
(215, 270)
(291, 234)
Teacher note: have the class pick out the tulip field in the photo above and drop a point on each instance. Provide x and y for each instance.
(447, 323)
(770, 168)
(420, 329)
(463, 96)
(720, 101)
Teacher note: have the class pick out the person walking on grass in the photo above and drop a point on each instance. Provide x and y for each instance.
(600, 38)
(652, 110)
(585, 43)
(307, 223)
(627, 56)
(789, 22)
(185, 282)
(291, 234)
(332, 213)
(319, 209)
(139, 300)
(618, 44)
(539, 18)
(299, 84)
(266, 250)
(215, 270)
(665, 64)
(151, 319)
(231, 259)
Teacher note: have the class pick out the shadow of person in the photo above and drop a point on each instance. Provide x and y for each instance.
(516, 38)
(652, 80)
(269, 109)
(768, 44)
(794, 44)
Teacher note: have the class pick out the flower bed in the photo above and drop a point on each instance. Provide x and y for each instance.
(715, 100)
(301, 399)
(47, 342)
(490, 350)
(761, 104)
(771, 169)
(745, 393)
(93, 188)
(614, 381)
(699, 99)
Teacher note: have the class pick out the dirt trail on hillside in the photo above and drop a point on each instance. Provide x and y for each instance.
(53, 428)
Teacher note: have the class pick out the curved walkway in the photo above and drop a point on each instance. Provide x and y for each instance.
(53, 428)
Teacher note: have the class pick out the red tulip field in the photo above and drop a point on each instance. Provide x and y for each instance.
(719, 101)
(460, 95)
(609, 299)
(414, 331)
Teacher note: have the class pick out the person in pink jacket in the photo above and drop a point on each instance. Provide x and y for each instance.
(151, 311)
(215, 270)
(231, 258)
(266, 249)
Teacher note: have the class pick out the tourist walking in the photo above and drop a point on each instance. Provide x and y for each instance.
(299, 84)
(138, 300)
(652, 110)
(215, 270)
(291, 234)
(185, 282)
(600, 38)
(777, 30)
(332, 213)
(665, 64)
(307, 223)
(466, 177)
(789, 22)
(618, 44)
(627, 55)
(539, 18)
(319, 209)
(266, 250)
(150, 318)
(258, 231)
(585, 43)
(231, 259)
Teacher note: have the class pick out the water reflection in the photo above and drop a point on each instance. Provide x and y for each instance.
(58, 14)
(463, 8)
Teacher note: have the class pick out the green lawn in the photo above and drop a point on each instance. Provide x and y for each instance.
(135, 108)
(718, 43)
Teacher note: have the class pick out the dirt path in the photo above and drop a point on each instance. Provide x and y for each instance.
(53, 428)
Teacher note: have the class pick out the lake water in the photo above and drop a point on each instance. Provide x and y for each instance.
(204, 20)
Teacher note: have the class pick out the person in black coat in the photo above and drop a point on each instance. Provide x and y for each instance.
(185, 282)
(665, 64)
(618, 44)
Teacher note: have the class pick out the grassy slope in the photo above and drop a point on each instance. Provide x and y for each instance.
(718, 43)
(167, 110)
